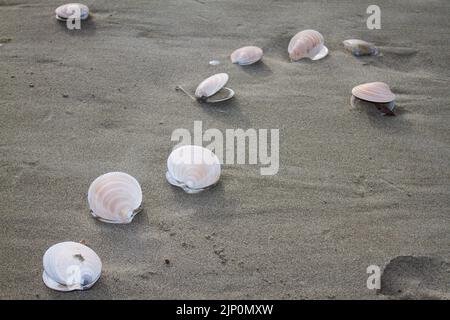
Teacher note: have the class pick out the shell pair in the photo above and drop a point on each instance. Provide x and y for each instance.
(376, 94)
(307, 44)
(71, 266)
(193, 168)
(67, 11)
(212, 89)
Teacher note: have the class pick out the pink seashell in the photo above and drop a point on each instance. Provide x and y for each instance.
(246, 55)
(374, 92)
(307, 44)
(211, 85)
(66, 11)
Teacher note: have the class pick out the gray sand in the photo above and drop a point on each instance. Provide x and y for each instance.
(354, 189)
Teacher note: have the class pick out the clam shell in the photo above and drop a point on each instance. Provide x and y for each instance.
(246, 55)
(66, 11)
(71, 266)
(374, 92)
(307, 44)
(115, 197)
(193, 168)
(360, 47)
(211, 85)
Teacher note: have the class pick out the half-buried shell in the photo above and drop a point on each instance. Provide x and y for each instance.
(375, 93)
(360, 47)
(246, 55)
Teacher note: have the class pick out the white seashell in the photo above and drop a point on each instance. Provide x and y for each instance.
(246, 55)
(360, 47)
(307, 44)
(71, 266)
(193, 168)
(211, 85)
(377, 93)
(115, 197)
(69, 10)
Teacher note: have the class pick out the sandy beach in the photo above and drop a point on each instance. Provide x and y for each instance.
(353, 189)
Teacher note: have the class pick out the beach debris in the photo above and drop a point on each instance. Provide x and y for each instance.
(71, 266)
(212, 89)
(377, 94)
(68, 10)
(246, 55)
(115, 197)
(360, 47)
(193, 168)
(307, 44)
(214, 62)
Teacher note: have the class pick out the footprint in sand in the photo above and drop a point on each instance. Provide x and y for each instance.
(409, 277)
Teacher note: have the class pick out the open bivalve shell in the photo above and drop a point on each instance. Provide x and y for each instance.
(360, 47)
(211, 89)
(376, 93)
(246, 55)
(115, 197)
(193, 168)
(72, 10)
(71, 266)
(307, 44)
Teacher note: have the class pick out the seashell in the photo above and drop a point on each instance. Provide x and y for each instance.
(246, 55)
(211, 85)
(115, 197)
(376, 93)
(193, 168)
(307, 44)
(212, 89)
(71, 266)
(360, 47)
(69, 10)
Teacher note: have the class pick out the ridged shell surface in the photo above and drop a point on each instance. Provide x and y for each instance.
(374, 92)
(307, 44)
(193, 168)
(211, 85)
(71, 266)
(115, 197)
(246, 55)
(67, 10)
(360, 47)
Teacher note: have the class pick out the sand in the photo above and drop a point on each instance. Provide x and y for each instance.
(354, 189)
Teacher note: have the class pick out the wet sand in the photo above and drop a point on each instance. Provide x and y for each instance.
(354, 188)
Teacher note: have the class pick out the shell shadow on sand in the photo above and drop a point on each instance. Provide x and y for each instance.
(258, 69)
(393, 58)
(409, 277)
